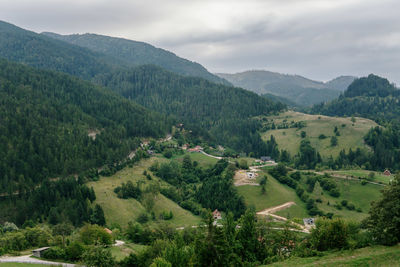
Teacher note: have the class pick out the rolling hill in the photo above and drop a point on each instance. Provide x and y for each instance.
(351, 133)
(302, 91)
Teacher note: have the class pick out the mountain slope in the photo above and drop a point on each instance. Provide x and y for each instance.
(135, 53)
(222, 110)
(296, 88)
(46, 118)
(19, 45)
(340, 83)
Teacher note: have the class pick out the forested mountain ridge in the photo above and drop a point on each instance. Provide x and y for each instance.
(19, 45)
(46, 118)
(302, 91)
(134, 53)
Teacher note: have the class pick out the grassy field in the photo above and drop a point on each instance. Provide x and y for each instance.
(276, 194)
(350, 136)
(352, 191)
(122, 211)
(377, 256)
(203, 160)
(378, 176)
(123, 251)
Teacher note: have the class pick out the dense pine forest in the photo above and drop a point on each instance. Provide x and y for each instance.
(46, 118)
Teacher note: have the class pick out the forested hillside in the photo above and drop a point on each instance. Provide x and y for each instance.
(43, 52)
(46, 118)
(375, 98)
(224, 111)
(370, 97)
(134, 53)
(207, 108)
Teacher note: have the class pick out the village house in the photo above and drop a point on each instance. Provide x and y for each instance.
(251, 175)
(387, 173)
(217, 215)
(185, 146)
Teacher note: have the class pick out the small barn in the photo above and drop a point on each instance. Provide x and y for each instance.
(39, 252)
(265, 158)
(387, 173)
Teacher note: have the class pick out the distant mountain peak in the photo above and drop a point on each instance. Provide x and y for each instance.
(296, 88)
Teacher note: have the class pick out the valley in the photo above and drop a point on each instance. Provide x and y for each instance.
(117, 153)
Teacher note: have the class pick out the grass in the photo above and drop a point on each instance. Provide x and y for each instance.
(203, 160)
(350, 136)
(352, 191)
(123, 251)
(376, 256)
(379, 177)
(122, 211)
(276, 194)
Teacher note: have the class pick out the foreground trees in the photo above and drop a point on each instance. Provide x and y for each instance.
(384, 219)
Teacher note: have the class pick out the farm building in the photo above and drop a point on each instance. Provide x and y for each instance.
(265, 158)
(387, 172)
(216, 215)
(195, 149)
(39, 252)
(108, 231)
(309, 221)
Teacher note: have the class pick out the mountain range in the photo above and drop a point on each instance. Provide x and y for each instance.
(298, 89)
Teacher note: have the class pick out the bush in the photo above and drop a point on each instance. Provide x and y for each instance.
(142, 218)
(98, 257)
(322, 136)
(54, 253)
(74, 251)
(95, 235)
(330, 234)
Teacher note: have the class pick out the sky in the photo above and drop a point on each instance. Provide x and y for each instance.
(318, 39)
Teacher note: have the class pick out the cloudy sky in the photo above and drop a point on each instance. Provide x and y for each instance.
(319, 39)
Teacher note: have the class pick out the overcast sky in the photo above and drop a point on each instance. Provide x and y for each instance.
(319, 39)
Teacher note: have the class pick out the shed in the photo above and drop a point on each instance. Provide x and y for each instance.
(266, 158)
(39, 252)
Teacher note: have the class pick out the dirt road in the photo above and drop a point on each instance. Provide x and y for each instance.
(28, 259)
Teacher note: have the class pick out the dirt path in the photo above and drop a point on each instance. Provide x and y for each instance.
(269, 212)
(28, 259)
(211, 156)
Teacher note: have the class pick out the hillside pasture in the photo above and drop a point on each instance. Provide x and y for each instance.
(351, 133)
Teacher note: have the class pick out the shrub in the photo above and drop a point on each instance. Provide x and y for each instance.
(74, 251)
(54, 253)
(98, 257)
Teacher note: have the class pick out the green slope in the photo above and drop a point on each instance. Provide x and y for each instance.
(351, 133)
(123, 211)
